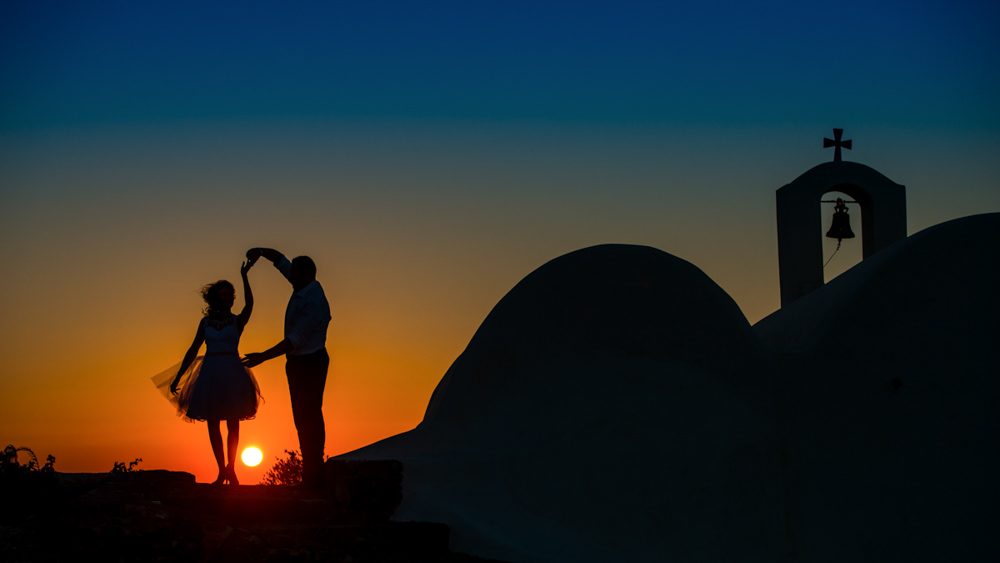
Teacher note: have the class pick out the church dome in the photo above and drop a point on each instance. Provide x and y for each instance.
(603, 302)
(611, 407)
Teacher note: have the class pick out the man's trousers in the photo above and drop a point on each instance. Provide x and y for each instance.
(306, 381)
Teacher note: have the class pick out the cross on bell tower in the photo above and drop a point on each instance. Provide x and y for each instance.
(836, 143)
(882, 204)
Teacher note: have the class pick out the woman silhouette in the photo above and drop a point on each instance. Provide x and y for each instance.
(217, 386)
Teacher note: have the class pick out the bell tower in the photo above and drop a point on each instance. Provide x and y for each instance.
(800, 244)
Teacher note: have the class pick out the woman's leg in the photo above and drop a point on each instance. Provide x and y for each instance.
(215, 437)
(233, 441)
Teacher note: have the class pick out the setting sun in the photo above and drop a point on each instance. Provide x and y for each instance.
(252, 456)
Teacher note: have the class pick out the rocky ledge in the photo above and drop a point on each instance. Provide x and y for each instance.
(167, 516)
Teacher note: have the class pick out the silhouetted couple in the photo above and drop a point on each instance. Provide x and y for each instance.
(220, 386)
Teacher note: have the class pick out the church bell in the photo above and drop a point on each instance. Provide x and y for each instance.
(840, 228)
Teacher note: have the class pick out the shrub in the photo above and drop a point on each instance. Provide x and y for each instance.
(121, 468)
(9, 462)
(285, 471)
(26, 488)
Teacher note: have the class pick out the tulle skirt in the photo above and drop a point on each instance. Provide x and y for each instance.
(214, 387)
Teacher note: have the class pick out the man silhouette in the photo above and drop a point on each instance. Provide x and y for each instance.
(306, 360)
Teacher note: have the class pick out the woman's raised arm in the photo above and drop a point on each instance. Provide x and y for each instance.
(244, 316)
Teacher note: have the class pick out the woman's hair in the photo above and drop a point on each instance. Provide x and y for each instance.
(210, 293)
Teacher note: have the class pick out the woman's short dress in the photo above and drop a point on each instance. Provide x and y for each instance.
(217, 386)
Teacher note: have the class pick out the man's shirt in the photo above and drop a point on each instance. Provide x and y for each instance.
(307, 315)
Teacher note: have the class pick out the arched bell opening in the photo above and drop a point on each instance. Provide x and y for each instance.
(842, 233)
(878, 220)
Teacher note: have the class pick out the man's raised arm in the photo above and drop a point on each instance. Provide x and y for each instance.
(271, 254)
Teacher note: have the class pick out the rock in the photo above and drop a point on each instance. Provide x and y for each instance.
(166, 516)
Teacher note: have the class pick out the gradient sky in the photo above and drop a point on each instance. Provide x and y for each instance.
(428, 156)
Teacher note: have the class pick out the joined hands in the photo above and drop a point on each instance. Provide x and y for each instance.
(251, 260)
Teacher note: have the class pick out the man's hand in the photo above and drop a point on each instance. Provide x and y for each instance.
(253, 359)
(257, 358)
(253, 254)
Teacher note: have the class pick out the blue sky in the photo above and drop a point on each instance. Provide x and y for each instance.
(893, 63)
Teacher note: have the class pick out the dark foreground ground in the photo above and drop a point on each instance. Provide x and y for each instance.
(166, 516)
